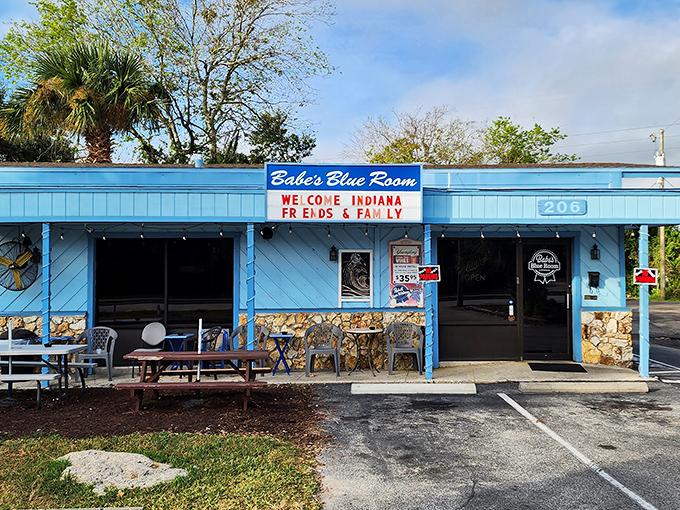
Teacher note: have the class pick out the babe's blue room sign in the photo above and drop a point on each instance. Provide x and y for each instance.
(363, 193)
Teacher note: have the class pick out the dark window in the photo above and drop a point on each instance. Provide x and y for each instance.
(171, 281)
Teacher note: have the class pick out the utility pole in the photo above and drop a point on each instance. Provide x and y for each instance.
(660, 159)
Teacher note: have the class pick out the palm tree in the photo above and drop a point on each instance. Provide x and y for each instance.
(84, 90)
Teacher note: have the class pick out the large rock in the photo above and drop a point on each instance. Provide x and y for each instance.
(117, 470)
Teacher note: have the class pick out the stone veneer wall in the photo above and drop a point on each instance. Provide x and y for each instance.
(297, 323)
(606, 339)
(67, 325)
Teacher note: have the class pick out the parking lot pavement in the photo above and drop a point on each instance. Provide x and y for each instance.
(478, 452)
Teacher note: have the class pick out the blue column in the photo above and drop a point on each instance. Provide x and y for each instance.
(643, 248)
(429, 340)
(46, 291)
(250, 300)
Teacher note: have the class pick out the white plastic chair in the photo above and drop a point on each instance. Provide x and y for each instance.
(153, 335)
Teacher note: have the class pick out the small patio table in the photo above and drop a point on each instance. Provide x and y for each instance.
(282, 350)
(370, 334)
(178, 343)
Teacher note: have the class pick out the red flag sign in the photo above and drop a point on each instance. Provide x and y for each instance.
(645, 275)
(429, 274)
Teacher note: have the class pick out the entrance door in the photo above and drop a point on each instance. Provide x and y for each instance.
(504, 299)
(477, 299)
(546, 299)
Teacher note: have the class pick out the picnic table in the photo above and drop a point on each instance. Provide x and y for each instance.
(59, 365)
(157, 364)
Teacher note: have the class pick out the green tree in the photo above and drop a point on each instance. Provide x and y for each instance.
(430, 137)
(507, 143)
(672, 261)
(61, 24)
(270, 140)
(42, 149)
(89, 91)
(222, 62)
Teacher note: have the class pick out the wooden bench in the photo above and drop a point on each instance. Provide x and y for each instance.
(79, 365)
(138, 388)
(39, 378)
(213, 371)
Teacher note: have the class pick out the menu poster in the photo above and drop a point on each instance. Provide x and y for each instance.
(406, 290)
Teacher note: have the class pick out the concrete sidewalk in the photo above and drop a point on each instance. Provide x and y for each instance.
(460, 372)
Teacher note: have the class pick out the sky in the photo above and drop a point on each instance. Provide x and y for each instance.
(605, 72)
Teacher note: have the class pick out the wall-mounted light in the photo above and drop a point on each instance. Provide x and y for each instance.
(333, 254)
(595, 252)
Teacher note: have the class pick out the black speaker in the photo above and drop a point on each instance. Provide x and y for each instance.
(267, 233)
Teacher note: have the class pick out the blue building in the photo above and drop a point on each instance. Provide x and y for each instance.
(530, 259)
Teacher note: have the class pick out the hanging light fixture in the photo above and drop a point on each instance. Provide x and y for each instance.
(595, 252)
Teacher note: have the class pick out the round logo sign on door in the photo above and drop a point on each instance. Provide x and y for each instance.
(544, 264)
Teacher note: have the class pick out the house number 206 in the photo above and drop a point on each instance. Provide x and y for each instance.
(561, 207)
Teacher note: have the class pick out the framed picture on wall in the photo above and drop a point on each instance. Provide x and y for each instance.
(355, 276)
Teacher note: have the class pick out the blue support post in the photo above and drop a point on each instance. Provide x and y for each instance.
(429, 337)
(643, 343)
(46, 290)
(250, 300)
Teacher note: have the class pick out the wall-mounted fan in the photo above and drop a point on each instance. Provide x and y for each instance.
(18, 265)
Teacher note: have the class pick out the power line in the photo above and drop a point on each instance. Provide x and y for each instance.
(620, 130)
(604, 143)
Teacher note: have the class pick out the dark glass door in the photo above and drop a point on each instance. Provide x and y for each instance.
(546, 299)
(477, 299)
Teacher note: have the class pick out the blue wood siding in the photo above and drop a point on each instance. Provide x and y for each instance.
(70, 270)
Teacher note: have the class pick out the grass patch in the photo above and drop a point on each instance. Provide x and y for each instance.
(225, 472)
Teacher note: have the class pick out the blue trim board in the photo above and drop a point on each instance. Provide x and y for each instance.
(622, 264)
(577, 298)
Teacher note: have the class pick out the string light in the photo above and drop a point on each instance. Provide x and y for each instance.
(61, 236)
(443, 232)
(290, 229)
(405, 233)
(221, 231)
(366, 231)
(518, 234)
(104, 235)
(329, 231)
(557, 234)
(184, 235)
(481, 234)
(594, 233)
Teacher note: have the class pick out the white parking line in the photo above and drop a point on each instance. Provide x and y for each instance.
(585, 460)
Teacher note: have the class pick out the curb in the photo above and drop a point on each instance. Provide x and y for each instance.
(584, 387)
(412, 388)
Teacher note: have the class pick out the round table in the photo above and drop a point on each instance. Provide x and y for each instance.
(370, 334)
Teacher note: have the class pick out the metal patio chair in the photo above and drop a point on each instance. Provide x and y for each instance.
(239, 338)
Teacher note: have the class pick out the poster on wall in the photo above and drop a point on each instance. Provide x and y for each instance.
(406, 289)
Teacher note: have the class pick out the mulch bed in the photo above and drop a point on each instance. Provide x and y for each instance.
(289, 412)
